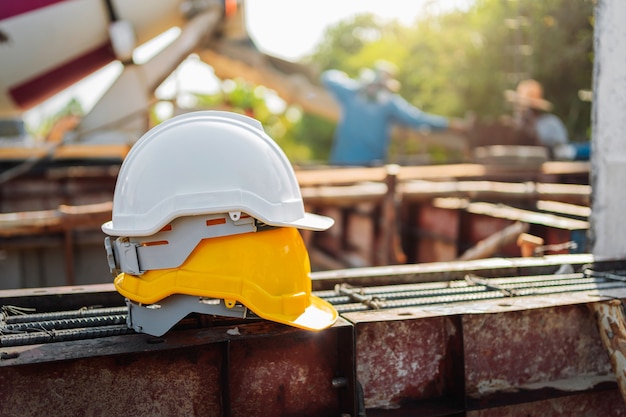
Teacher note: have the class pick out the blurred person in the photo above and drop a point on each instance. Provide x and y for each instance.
(533, 118)
(370, 107)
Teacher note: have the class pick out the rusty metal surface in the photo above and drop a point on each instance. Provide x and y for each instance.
(400, 361)
(511, 356)
(410, 359)
(288, 377)
(503, 356)
(182, 382)
(595, 404)
(258, 369)
(557, 347)
(436, 234)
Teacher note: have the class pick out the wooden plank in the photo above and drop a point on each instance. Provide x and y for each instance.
(564, 208)
(348, 175)
(51, 221)
(335, 176)
(416, 190)
(488, 246)
(566, 167)
(441, 171)
(513, 213)
(83, 152)
(346, 195)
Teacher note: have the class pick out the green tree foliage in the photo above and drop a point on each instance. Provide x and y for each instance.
(550, 41)
(463, 60)
(562, 56)
(242, 97)
(316, 134)
(357, 42)
(72, 108)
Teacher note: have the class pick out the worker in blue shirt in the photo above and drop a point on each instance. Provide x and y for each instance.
(370, 108)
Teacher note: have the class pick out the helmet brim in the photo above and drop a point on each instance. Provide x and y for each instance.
(319, 315)
(310, 221)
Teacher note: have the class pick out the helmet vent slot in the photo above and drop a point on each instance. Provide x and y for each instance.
(215, 222)
(155, 243)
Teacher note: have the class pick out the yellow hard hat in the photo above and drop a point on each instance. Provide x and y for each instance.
(267, 271)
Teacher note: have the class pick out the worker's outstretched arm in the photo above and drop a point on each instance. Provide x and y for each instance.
(409, 115)
(339, 84)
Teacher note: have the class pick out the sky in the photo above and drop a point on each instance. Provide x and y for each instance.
(291, 29)
(284, 28)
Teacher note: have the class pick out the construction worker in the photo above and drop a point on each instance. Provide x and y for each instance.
(371, 106)
(206, 213)
(533, 119)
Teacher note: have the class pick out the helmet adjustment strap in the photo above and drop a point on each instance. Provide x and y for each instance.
(156, 319)
(169, 247)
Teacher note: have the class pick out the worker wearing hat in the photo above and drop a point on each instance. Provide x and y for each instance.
(371, 105)
(532, 115)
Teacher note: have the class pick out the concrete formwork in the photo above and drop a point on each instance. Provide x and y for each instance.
(527, 355)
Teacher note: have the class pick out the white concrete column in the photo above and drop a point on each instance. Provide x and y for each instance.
(608, 157)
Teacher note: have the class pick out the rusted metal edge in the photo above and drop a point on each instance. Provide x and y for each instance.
(133, 343)
(611, 322)
(493, 306)
(446, 271)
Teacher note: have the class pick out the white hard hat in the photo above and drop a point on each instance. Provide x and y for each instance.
(207, 162)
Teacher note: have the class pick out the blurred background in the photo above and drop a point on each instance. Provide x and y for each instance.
(453, 57)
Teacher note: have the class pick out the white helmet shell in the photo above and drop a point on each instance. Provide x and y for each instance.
(207, 162)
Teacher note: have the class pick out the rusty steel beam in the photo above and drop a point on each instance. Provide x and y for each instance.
(530, 351)
(601, 403)
(257, 369)
(482, 357)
